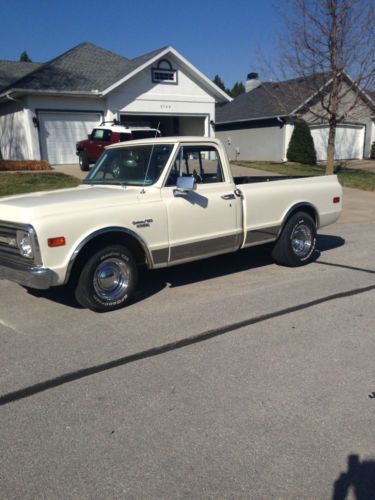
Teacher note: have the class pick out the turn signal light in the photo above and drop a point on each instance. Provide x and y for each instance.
(56, 242)
(336, 199)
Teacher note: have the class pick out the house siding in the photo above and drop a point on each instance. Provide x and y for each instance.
(141, 96)
(259, 141)
(15, 132)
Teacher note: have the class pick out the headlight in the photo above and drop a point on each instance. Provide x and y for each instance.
(25, 244)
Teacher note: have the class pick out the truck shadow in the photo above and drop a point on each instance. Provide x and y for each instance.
(195, 272)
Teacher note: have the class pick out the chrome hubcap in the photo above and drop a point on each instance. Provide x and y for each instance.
(111, 279)
(301, 240)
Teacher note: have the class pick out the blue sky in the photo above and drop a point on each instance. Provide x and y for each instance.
(216, 36)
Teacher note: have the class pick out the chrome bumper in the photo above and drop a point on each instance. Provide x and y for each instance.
(34, 277)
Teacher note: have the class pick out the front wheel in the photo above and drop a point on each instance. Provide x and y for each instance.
(84, 164)
(108, 280)
(297, 241)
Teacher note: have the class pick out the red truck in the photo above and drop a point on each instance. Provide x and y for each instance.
(90, 149)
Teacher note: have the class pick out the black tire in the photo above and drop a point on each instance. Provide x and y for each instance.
(107, 280)
(297, 241)
(84, 163)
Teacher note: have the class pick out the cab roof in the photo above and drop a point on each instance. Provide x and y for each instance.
(167, 140)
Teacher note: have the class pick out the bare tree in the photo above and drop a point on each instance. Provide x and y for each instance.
(325, 41)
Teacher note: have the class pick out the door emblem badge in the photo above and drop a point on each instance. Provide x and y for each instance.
(142, 223)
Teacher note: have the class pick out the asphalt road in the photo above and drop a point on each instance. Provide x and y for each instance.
(227, 378)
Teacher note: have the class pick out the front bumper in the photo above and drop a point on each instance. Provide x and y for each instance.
(33, 277)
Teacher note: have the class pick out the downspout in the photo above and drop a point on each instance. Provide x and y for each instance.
(280, 120)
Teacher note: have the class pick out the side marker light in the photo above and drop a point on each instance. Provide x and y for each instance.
(56, 242)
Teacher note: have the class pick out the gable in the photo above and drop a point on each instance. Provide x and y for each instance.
(142, 87)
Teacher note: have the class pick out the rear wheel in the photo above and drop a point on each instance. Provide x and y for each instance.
(108, 280)
(84, 161)
(297, 241)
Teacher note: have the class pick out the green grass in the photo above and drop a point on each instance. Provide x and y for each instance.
(348, 177)
(28, 183)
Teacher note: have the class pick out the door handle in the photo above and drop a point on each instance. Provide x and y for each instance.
(228, 197)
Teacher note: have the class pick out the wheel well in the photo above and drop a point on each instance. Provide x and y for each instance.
(102, 240)
(308, 209)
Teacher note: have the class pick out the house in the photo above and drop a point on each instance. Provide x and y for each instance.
(258, 124)
(46, 108)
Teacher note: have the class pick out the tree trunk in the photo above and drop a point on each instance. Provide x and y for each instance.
(331, 148)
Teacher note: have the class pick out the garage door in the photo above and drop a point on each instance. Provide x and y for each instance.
(349, 142)
(59, 132)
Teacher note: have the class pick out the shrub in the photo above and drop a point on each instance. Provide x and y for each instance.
(17, 165)
(301, 146)
(372, 156)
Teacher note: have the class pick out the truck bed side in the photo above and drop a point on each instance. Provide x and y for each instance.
(267, 203)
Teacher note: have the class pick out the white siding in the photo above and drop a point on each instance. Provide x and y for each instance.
(141, 96)
(15, 140)
(255, 144)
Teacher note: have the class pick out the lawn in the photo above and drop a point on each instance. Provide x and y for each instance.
(348, 177)
(28, 183)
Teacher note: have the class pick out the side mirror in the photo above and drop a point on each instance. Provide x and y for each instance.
(184, 185)
(89, 137)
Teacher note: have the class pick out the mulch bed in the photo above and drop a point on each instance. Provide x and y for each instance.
(19, 165)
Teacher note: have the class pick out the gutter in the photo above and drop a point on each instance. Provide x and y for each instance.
(77, 93)
(276, 117)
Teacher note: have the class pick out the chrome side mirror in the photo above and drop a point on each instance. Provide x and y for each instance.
(184, 185)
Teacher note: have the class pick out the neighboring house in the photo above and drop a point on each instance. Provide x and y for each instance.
(258, 124)
(46, 108)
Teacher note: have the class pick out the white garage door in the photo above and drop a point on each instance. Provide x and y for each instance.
(59, 132)
(349, 142)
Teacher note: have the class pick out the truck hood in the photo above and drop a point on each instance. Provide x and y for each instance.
(26, 208)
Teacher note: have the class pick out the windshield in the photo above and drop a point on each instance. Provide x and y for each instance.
(132, 165)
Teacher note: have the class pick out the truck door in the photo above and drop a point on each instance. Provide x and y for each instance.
(208, 220)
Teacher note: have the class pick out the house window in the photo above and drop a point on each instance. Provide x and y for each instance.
(164, 73)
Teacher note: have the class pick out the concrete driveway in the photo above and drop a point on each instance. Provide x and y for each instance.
(226, 378)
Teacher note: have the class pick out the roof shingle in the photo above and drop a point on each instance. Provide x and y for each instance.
(84, 68)
(269, 100)
(11, 71)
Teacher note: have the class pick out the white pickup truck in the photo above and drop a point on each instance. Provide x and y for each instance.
(156, 202)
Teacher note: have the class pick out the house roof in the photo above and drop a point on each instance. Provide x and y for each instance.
(88, 69)
(11, 71)
(83, 68)
(270, 99)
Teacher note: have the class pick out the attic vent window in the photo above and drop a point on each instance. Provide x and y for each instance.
(164, 73)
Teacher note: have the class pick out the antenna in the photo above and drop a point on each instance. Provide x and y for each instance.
(149, 159)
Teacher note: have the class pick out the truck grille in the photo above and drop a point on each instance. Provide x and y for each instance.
(9, 251)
